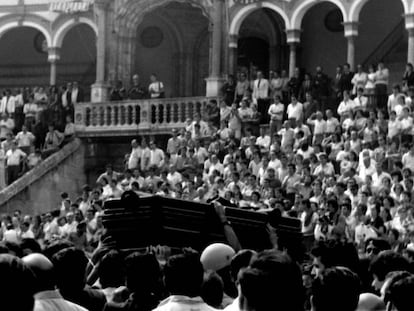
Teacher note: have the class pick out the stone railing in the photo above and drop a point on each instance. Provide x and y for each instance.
(132, 117)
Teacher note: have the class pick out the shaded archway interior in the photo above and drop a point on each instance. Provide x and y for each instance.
(23, 53)
(173, 42)
(322, 35)
(380, 41)
(78, 57)
(262, 42)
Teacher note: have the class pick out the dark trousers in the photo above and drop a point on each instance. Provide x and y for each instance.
(12, 173)
(382, 95)
(263, 108)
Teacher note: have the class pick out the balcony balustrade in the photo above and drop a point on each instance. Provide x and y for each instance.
(132, 117)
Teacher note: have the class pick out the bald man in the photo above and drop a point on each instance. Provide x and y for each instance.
(370, 302)
(47, 298)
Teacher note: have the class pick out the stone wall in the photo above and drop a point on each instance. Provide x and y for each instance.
(38, 191)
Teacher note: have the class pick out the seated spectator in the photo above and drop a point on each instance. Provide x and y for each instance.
(52, 141)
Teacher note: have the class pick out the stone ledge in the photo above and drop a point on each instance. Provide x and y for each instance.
(35, 174)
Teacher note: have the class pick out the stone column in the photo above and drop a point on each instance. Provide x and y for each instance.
(273, 61)
(293, 39)
(53, 57)
(233, 44)
(215, 81)
(100, 88)
(409, 25)
(351, 32)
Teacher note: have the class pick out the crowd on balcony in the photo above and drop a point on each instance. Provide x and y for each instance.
(335, 153)
(34, 124)
(138, 91)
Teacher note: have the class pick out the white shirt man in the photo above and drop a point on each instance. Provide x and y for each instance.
(367, 167)
(24, 139)
(263, 141)
(319, 124)
(394, 126)
(156, 157)
(295, 110)
(260, 88)
(14, 157)
(347, 105)
(135, 155)
(276, 111)
(155, 89)
(408, 159)
(7, 104)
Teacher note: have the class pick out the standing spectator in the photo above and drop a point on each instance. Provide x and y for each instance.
(14, 161)
(321, 87)
(276, 115)
(346, 79)
(276, 85)
(118, 92)
(156, 88)
(66, 100)
(18, 107)
(242, 87)
(77, 94)
(52, 141)
(306, 87)
(359, 80)
(213, 112)
(408, 77)
(134, 156)
(294, 109)
(381, 85)
(25, 140)
(6, 126)
(156, 155)
(7, 104)
(137, 91)
(229, 90)
(70, 130)
(295, 83)
(261, 95)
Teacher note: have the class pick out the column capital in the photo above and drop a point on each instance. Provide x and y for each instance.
(409, 21)
(53, 54)
(102, 4)
(233, 41)
(350, 29)
(293, 35)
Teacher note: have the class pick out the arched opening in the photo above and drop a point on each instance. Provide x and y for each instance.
(382, 41)
(78, 57)
(168, 44)
(322, 41)
(261, 42)
(23, 58)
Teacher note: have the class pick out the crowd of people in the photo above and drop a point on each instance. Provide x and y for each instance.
(337, 154)
(34, 124)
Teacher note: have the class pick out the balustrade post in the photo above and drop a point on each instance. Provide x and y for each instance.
(113, 121)
(120, 114)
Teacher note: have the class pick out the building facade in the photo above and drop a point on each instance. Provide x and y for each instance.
(192, 45)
